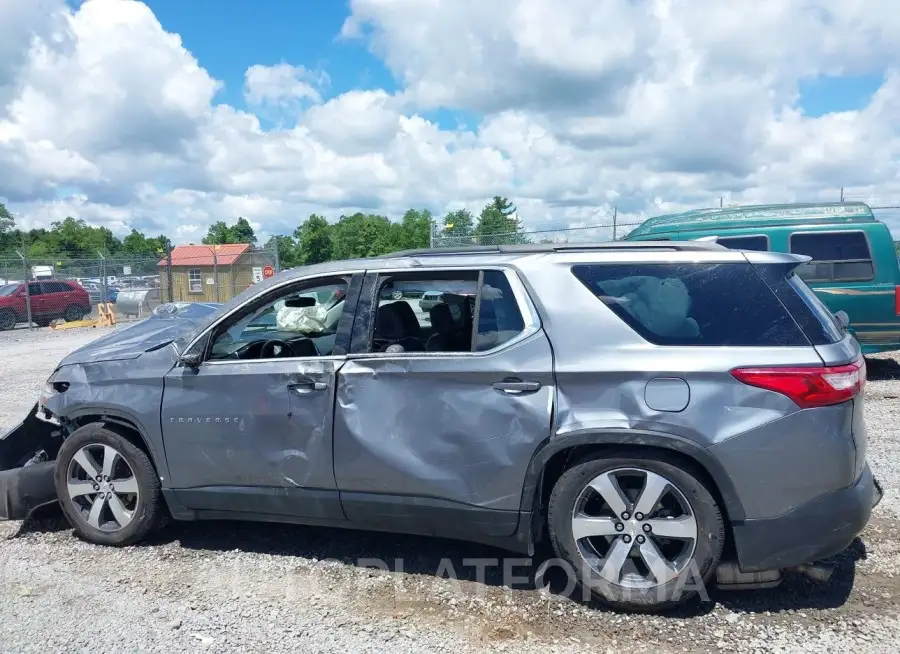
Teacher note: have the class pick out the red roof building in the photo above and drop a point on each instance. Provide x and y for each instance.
(211, 273)
(206, 255)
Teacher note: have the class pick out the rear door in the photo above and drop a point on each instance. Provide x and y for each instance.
(436, 420)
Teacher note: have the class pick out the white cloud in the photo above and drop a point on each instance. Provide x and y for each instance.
(654, 105)
(282, 84)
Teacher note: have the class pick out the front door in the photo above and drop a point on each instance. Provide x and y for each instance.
(441, 406)
(250, 428)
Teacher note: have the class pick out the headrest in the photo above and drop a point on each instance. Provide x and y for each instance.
(442, 318)
(388, 323)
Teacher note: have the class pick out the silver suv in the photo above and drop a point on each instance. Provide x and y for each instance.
(659, 412)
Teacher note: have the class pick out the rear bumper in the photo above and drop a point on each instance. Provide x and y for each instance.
(814, 531)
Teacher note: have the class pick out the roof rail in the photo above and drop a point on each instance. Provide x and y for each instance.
(559, 247)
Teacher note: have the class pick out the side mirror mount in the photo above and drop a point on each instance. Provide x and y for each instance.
(191, 360)
(843, 318)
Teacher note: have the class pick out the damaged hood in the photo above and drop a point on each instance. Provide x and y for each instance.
(171, 323)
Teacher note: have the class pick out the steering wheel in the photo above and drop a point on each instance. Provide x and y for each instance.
(267, 351)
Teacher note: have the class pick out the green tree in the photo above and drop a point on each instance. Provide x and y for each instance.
(459, 224)
(497, 223)
(288, 253)
(242, 232)
(415, 231)
(314, 242)
(7, 222)
(218, 234)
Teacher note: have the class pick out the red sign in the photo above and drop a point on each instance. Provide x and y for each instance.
(268, 271)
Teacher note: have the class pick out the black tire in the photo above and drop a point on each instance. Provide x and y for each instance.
(7, 320)
(706, 554)
(148, 511)
(42, 322)
(74, 313)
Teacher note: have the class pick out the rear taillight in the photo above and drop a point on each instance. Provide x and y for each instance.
(809, 387)
(897, 300)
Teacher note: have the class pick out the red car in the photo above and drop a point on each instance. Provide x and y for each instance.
(49, 300)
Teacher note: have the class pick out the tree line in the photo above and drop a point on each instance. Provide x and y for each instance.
(315, 240)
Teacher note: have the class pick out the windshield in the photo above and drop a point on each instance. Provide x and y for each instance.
(8, 289)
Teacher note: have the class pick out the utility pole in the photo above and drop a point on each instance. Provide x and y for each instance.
(842, 194)
(615, 216)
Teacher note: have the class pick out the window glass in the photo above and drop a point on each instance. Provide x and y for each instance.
(836, 256)
(758, 243)
(34, 288)
(432, 312)
(832, 246)
(694, 304)
(499, 317)
(9, 289)
(814, 318)
(195, 280)
(297, 322)
(54, 287)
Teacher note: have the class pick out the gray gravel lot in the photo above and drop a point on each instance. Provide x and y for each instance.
(273, 588)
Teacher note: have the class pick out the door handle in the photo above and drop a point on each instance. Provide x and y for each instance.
(516, 386)
(307, 387)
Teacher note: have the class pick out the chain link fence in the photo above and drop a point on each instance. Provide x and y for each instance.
(38, 290)
(591, 234)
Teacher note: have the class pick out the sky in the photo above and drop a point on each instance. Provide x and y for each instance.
(168, 115)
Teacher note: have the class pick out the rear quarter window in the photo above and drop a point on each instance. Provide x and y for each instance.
(694, 304)
(836, 256)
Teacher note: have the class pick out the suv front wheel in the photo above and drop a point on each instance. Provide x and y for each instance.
(642, 533)
(107, 487)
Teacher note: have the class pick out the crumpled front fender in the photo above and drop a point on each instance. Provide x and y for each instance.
(26, 476)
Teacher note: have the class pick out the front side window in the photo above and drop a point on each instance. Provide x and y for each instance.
(298, 321)
(34, 288)
(459, 311)
(836, 256)
(195, 280)
(693, 303)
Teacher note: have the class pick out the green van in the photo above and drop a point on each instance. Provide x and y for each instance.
(854, 265)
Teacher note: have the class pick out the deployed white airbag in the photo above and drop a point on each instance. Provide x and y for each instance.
(301, 319)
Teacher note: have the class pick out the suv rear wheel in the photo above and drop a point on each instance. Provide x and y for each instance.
(74, 313)
(643, 534)
(107, 487)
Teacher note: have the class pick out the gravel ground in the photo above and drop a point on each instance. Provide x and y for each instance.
(216, 587)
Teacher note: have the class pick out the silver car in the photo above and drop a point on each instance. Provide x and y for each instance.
(663, 414)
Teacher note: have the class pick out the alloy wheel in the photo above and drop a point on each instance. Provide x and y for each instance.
(634, 528)
(102, 487)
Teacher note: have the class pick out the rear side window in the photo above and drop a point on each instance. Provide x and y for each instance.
(694, 303)
(499, 318)
(55, 287)
(836, 256)
(817, 322)
(758, 243)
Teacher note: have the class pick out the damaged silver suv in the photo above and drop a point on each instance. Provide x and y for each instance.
(656, 411)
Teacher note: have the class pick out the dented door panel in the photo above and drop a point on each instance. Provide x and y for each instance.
(245, 424)
(436, 426)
